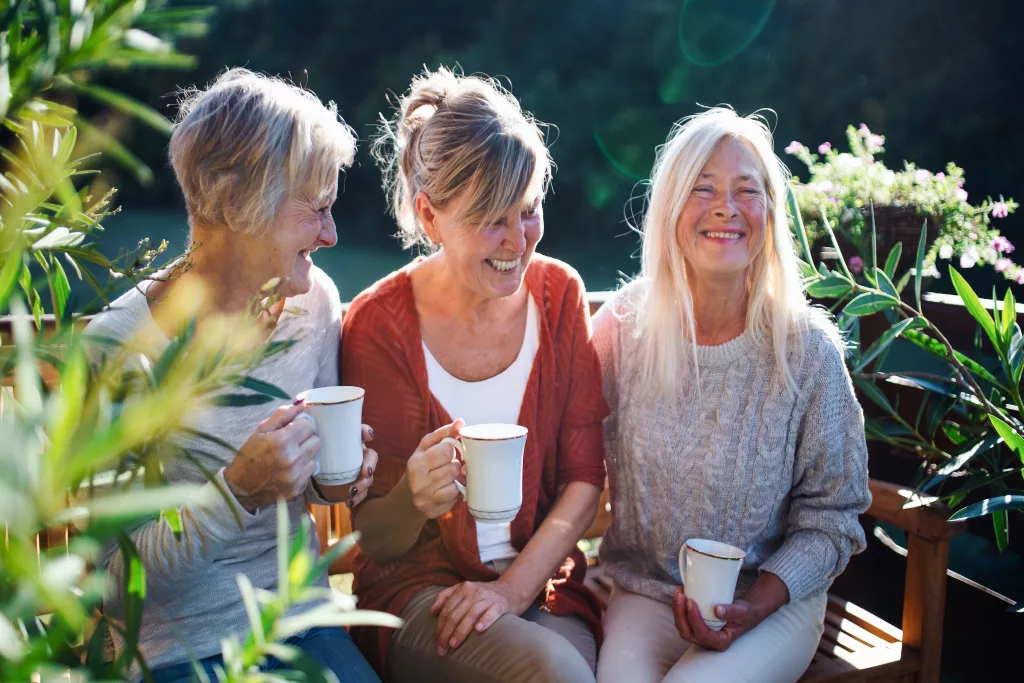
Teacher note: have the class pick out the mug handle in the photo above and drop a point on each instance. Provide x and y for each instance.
(309, 417)
(682, 565)
(457, 445)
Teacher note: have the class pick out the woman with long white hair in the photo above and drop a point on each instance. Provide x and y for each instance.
(733, 419)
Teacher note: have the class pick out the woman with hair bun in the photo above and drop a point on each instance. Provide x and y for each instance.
(481, 330)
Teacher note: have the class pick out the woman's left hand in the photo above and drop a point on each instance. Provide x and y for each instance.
(470, 606)
(765, 597)
(354, 493)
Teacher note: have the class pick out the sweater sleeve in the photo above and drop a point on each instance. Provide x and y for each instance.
(372, 358)
(580, 439)
(830, 482)
(209, 521)
(606, 343)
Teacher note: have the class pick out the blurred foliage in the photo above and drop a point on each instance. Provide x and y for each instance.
(87, 418)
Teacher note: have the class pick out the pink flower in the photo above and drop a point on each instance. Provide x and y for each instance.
(940, 176)
(1003, 264)
(864, 130)
(875, 141)
(794, 147)
(1002, 245)
(824, 147)
(961, 194)
(1020, 276)
(1000, 210)
(856, 265)
(922, 175)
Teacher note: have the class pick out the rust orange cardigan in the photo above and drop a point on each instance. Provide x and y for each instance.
(562, 407)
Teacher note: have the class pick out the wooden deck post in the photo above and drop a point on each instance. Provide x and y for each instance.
(924, 602)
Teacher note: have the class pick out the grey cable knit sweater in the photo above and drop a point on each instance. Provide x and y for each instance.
(192, 597)
(781, 476)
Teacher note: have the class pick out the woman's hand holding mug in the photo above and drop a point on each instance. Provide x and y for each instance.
(276, 461)
(431, 473)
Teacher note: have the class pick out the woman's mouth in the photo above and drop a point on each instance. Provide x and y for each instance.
(504, 266)
(722, 235)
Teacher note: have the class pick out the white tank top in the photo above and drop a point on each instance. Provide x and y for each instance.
(496, 399)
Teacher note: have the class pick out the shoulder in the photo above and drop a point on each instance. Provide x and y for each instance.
(125, 315)
(556, 279)
(389, 297)
(823, 346)
(620, 309)
(322, 300)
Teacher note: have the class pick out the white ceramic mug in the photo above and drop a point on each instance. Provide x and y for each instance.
(493, 454)
(338, 415)
(710, 570)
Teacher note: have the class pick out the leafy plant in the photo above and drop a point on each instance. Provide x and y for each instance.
(844, 186)
(84, 422)
(968, 429)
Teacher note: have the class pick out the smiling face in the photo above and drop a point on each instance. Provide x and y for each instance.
(722, 225)
(304, 224)
(489, 259)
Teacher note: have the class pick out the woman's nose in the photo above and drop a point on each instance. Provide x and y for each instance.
(328, 236)
(515, 235)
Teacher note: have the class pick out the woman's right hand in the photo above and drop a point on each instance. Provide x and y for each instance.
(431, 473)
(277, 460)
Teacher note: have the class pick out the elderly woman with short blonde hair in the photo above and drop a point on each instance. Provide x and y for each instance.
(257, 159)
(732, 419)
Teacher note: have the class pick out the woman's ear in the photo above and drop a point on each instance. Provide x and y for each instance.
(427, 215)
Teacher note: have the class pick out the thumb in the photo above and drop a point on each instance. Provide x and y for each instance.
(282, 416)
(438, 435)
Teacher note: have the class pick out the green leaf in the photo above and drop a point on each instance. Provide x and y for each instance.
(875, 394)
(798, 222)
(874, 241)
(1009, 316)
(883, 342)
(835, 245)
(885, 284)
(1010, 435)
(134, 597)
(240, 400)
(987, 507)
(977, 369)
(173, 518)
(834, 286)
(263, 387)
(1001, 526)
(973, 305)
(252, 608)
(893, 260)
(127, 105)
(974, 447)
(131, 505)
(9, 273)
(919, 264)
(62, 289)
(283, 528)
(299, 661)
(869, 303)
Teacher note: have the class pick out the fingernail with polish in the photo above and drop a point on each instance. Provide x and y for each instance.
(349, 504)
(370, 429)
(354, 491)
(298, 401)
(369, 472)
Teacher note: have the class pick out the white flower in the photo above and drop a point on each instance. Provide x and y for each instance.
(946, 252)
(969, 257)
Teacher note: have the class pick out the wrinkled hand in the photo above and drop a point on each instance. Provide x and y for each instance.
(765, 597)
(470, 606)
(277, 460)
(353, 494)
(431, 473)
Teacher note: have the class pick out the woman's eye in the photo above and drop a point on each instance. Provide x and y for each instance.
(702, 189)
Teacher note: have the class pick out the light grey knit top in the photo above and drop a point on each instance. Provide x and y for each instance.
(192, 598)
(781, 476)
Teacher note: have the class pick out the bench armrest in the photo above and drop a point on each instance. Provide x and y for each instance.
(922, 516)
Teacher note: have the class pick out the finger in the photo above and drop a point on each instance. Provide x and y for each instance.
(679, 615)
(455, 611)
(701, 632)
(441, 477)
(367, 433)
(440, 599)
(487, 619)
(736, 613)
(469, 621)
(308, 451)
(369, 462)
(445, 494)
(438, 435)
(282, 416)
(437, 456)
(298, 430)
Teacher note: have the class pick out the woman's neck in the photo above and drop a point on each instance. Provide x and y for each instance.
(440, 291)
(719, 309)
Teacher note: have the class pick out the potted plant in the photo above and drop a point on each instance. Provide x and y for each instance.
(849, 189)
(968, 431)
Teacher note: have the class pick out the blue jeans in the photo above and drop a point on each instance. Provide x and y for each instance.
(331, 647)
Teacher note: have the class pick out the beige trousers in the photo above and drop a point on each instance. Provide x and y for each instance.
(642, 645)
(536, 646)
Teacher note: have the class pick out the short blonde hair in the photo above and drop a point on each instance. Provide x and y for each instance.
(459, 136)
(248, 141)
(777, 310)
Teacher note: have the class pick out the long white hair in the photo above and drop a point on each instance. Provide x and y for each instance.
(776, 307)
